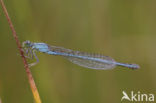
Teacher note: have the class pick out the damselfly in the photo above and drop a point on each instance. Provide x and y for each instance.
(88, 60)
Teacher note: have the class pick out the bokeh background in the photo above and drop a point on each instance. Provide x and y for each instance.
(122, 29)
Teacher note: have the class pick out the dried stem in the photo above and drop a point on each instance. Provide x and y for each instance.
(30, 77)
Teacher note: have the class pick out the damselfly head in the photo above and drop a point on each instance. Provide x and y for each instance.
(27, 44)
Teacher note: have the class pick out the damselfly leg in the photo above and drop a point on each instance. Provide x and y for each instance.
(30, 54)
(34, 55)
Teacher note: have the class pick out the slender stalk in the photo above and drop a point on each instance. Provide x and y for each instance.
(30, 77)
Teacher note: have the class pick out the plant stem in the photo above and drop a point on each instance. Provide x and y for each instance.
(30, 77)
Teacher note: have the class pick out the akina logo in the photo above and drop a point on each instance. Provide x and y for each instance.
(137, 96)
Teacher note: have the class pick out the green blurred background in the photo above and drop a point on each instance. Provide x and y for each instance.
(122, 29)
